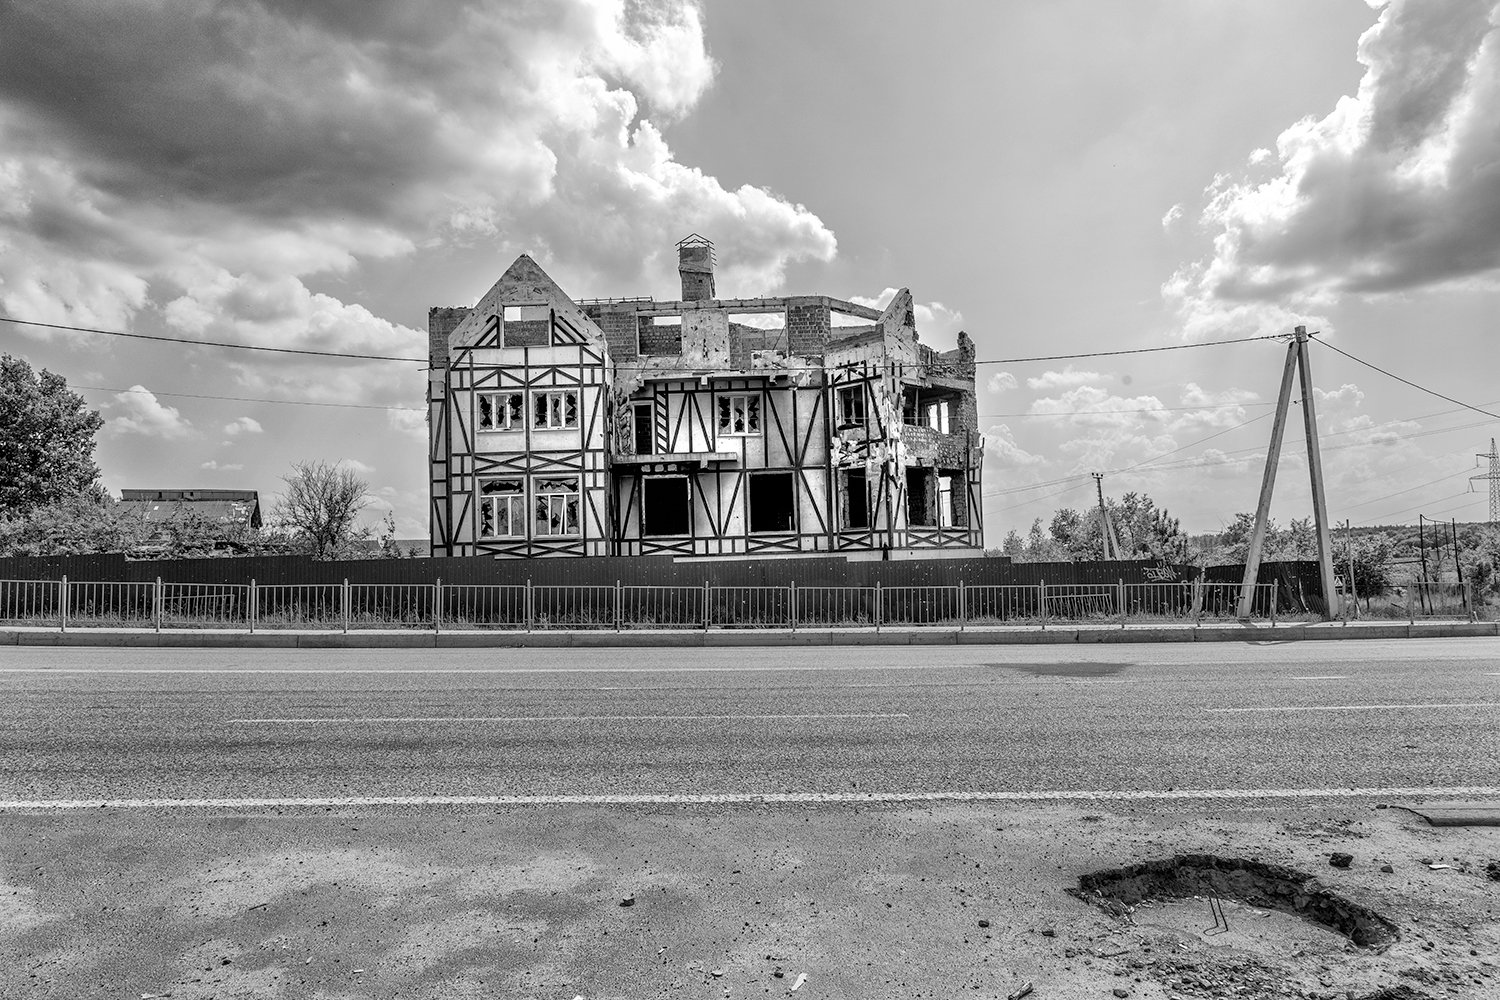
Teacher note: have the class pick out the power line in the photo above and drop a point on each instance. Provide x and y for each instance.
(618, 367)
(208, 343)
(251, 399)
(1403, 381)
(1147, 409)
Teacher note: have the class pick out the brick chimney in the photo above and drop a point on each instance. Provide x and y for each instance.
(695, 265)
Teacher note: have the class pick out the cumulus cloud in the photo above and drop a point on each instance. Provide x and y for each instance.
(413, 422)
(1068, 377)
(1000, 382)
(242, 425)
(203, 161)
(1396, 188)
(213, 466)
(138, 411)
(937, 325)
(1000, 444)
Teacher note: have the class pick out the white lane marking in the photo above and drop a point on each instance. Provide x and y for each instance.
(1324, 677)
(1355, 708)
(732, 798)
(580, 718)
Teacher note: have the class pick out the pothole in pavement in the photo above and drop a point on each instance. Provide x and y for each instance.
(1169, 887)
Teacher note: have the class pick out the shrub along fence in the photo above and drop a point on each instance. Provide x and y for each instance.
(438, 606)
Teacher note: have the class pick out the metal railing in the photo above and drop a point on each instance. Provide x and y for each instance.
(531, 607)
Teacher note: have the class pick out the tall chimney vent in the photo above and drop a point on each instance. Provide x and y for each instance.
(695, 265)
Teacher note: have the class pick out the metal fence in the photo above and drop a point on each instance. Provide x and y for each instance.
(467, 607)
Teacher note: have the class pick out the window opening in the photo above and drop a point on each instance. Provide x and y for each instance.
(526, 325)
(773, 502)
(856, 499)
(666, 506)
(937, 415)
(739, 414)
(910, 412)
(852, 406)
(501, 411)
(502, 508)
(556, 506)
(644, 429)
(554, 408)
(919, 507)
(659, 336)
(946, 518)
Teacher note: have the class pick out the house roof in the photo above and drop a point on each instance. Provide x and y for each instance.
(238, 507)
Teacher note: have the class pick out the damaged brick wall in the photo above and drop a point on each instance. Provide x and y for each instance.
(808, 326)
(441, 322)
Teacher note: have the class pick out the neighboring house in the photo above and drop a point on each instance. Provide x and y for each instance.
(235, 511)
(697, 427)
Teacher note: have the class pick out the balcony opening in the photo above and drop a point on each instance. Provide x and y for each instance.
(855, 499)
(921, 506)
(773, 502)
(952, 500)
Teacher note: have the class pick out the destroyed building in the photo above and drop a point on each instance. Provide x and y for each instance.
(700, 426)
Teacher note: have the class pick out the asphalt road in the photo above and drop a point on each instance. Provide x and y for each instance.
(79, 723)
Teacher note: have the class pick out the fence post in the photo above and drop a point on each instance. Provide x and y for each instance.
(252, 599)
(1121, 593)
(706, 614)
(63, 598)
(1198, 599)
(528, 605)
(437, 606)
(1275, 599)
(344, 602)
(791, 611)
(618, 612)
(1411, 608)
(963, 611)
(1042, 597)
(879, 602)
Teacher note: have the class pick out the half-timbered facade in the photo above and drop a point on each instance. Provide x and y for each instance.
(698, 426)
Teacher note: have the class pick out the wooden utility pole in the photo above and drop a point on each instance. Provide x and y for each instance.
(1104, 529)
(1296, 362)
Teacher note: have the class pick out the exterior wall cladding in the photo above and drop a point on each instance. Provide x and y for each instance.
(697, 427)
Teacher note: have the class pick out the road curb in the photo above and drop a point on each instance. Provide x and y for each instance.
(1297, 632)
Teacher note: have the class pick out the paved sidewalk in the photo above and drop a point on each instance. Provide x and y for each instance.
(945, 635)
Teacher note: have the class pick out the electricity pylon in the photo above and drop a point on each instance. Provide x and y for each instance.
(1494, 477)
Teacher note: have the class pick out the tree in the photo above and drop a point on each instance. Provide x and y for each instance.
(1145, 530)
(46, 440)
(320, 507)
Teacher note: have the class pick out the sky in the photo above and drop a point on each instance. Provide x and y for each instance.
(1071, 177)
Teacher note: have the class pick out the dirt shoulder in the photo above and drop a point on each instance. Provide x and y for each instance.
(743, 902)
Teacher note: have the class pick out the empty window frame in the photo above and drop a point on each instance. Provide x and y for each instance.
(643, 428)
(502, 508)
(554, 409)
(555, 502)
(666, 506)
(739, 414)
(772, 499)
(855, 506)
(920, 509)
(851, 404)
(501, 411)
(911, 412)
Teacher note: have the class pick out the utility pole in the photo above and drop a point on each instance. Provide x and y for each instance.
(1422, 548)
(1494, 478)
(1296, 364)
(1104, 519)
